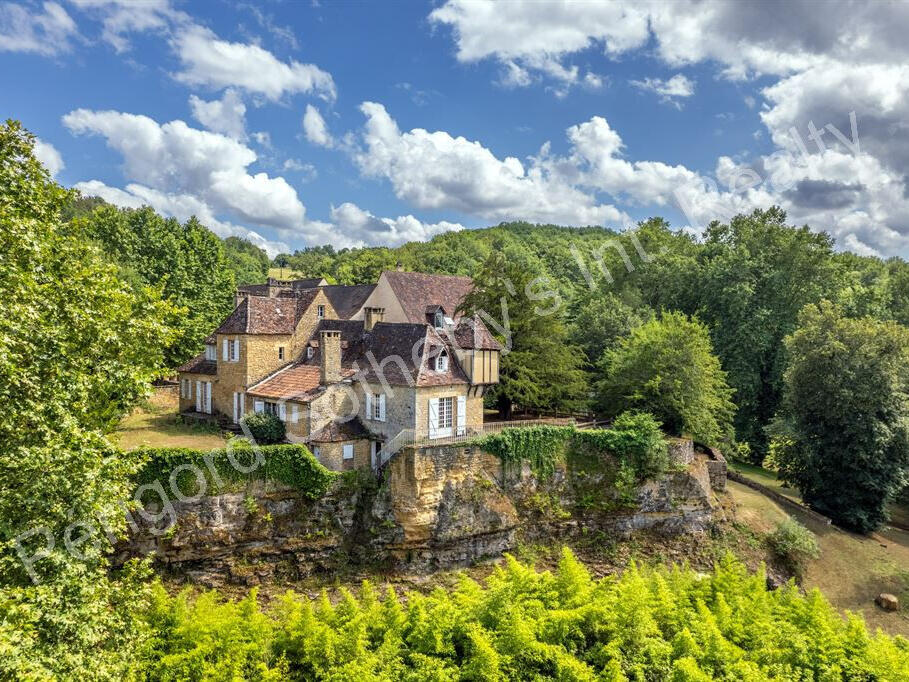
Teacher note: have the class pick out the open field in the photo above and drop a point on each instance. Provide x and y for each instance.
(851, 570)
(284, 273)
(156, 424)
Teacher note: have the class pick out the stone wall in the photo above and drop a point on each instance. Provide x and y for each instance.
(434, 508)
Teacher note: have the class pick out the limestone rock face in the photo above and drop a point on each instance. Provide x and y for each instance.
(435, 508)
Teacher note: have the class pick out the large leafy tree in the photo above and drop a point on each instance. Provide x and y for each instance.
(78, 347)
(842, 436)
(667, 367)
(539, 368)
(186, 261)
(248, 262)
(753, 276)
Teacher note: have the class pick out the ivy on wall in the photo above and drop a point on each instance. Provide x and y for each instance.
(231, 468)
(635, 440)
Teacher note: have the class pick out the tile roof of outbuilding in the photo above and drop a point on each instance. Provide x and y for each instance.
(340, 431)
(199, 365)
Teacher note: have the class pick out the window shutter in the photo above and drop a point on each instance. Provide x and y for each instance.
(348, 452)
(369, 405)
(382, 408)
(236, 407)
(294, 413)
(433, 417)
(208, 397)
(282, 412)
(259, 406)
(242, 409)
(224, 352)
(198, 396)
(461, 424)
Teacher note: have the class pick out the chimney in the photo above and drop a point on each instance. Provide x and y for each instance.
(400, 267)
(330, 358)
(372, 315)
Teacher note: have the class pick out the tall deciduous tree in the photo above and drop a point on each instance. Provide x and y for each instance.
(842, 436)
(248, 262)
(78, 347)
(186, 261)
(753, 277)
(539, 368)
(667, 367)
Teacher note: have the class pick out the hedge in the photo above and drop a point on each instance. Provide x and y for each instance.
(634, 439)
(292, 465)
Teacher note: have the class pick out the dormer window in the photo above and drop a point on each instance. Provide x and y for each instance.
(320, 312)
(439, 322)
(210, 353)
(442, 362)
(309, 352)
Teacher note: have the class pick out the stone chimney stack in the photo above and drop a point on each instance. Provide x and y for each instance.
(372, 316)
(330, 355)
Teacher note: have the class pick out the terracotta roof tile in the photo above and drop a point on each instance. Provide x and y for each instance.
(417, 291)
(199, 365)
(265, 315)
(339, 431)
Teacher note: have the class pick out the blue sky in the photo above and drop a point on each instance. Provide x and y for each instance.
(298, 123)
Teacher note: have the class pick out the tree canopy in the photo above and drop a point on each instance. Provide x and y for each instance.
(667, 367)
(843, 429)
(247, 261)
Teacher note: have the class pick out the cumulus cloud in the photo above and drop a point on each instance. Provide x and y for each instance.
(434, 170)
(315, 129)
(180, 206)
(47, 32)
(849, 58)
(361, 228)
(668, 90)
(226, 115)
(177, 159)
(48, 155)
(209, 61)
(122, 17)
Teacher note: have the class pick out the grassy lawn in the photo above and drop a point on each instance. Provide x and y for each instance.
(851, 570)
(157, 424)
(284, 273)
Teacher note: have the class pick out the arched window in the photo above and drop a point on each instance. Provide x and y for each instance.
(442, 362)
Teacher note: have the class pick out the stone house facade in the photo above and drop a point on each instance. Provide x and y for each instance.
(347, 380)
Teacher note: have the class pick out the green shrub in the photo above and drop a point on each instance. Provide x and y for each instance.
(232, 467)
(265, 428)
(665, 623)
(793, 544)
(634, 439)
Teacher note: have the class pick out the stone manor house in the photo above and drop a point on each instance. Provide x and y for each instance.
(351, 370)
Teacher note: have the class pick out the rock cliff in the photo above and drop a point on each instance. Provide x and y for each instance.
(432, 508)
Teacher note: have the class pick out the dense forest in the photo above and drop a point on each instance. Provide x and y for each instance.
(759, 336)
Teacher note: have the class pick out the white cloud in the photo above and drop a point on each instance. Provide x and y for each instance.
(121, 17)
(668, 90)
(207, 60)
(315, 129)
(226, 115)
(45, 33)
(176, 159)
(362, 228)
(438, 171)
(180, 206)
(48, 155)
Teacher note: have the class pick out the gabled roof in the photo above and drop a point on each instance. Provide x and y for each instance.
(417, 291)
(266, 315)
(404, 353)
(347, 300)
(199, 365)
(471, 333)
